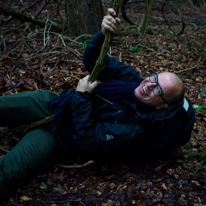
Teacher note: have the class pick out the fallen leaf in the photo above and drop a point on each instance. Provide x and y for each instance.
(188, 166)
(43, 186)
(179, 170)
(99, 193)
(157, 169)
(179, 161)
(25, 198)
(176, 176)
(59, 190)
(141, 203)
(195, 183)
(170, 172)
(112, 185)
(164, 186)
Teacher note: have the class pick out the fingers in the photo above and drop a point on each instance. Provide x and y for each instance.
(85, 85)
(94, 84)
(117, 21)
(111, 24)
(111, 12)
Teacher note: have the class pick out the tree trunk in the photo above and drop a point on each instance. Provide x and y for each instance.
(144, 21)
(84, 16)
(196, 3)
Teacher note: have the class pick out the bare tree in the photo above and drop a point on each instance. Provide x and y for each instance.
(144, 21)
(83, 16)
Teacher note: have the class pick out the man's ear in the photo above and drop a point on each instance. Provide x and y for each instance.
(161, 106)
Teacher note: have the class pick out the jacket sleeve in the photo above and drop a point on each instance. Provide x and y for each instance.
(166, 136)
(89, 136)
(113, 69)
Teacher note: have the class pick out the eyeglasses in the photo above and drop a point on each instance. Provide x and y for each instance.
(157, 90)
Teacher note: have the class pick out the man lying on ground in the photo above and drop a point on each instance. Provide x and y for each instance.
(125, 112)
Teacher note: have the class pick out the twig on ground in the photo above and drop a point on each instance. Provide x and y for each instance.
(22, 17)
(196, 67)
(4, 150)
(52, 70)
(75, 166)
(31, 6)
(71, 75)
(81, 36)
(184, 70)
(37, 14)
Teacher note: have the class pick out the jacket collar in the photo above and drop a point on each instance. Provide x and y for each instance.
(163, 113)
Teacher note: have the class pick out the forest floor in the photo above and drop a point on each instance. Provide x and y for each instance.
(34, 59)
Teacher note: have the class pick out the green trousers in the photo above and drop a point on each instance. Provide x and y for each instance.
(38, 148)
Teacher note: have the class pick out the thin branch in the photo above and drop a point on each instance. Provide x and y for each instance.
(31, 6)
(4, 150)
(22, 17)
(52, 70)
(38, 13)
(75, 166)
(184, 70)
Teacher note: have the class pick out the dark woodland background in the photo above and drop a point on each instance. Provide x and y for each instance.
(41, 47)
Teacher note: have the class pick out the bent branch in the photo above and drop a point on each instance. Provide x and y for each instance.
(22, 17)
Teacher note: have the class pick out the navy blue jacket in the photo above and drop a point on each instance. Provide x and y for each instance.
(100, 128)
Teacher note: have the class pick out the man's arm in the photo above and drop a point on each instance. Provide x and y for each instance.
(101, 137)
(113, 68)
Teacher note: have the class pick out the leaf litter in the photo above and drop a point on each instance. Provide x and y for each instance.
(30, 62)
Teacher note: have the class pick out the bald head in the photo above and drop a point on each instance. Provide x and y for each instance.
(172, 86)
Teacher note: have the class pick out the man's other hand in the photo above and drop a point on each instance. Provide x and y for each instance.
(85, 85)
(109, 22)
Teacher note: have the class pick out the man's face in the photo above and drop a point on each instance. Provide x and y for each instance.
(144, 92)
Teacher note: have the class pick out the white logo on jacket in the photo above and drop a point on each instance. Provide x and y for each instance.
(109, 136)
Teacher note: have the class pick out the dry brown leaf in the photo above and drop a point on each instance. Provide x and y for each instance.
(179, 170)
(25, 198)
(59, 190)
(164, 186)
(43, 186)
(141, 203)
(170, 172)
(195, 183)
(176, 176)
(112, 185)
(157, 169)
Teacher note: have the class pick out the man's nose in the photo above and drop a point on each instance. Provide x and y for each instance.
(151, 85)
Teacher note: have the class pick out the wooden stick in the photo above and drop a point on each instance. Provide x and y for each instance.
(4, 150)
(188, 69)
(75, 166)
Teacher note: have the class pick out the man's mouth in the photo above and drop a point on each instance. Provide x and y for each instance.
(144, 90)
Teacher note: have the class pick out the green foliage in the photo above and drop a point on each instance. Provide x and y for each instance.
(200, 108)
(194, 25)
(176, 31)
(121, 32)
(165, 31)
(203, 158)
(133, 48)
(84, 43)
(205, 52)
(196, 154)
